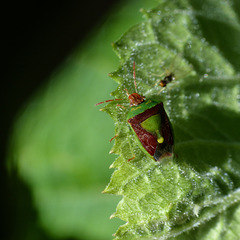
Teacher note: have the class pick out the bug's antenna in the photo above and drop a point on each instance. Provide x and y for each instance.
(134, 76)
(111, 100)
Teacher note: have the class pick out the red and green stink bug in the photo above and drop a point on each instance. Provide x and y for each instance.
(150, 124)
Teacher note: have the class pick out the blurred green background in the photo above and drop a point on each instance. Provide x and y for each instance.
(60, 142)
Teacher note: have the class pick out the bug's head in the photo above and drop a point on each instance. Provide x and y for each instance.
(135, 98)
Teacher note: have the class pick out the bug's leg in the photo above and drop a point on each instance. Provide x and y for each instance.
(158, 75)
(131, 158)
(119, 105)
(162, 89)
(113, 137)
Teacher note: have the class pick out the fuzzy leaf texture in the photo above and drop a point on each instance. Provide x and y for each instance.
(195, 194)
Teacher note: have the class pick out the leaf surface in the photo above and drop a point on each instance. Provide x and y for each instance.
(195, 194)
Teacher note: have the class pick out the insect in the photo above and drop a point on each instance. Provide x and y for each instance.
(150, 125)
(167, 79)
(178, 69)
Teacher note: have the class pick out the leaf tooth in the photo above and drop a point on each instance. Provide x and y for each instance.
(111, 190)
(115, 46)
(111, 166)
(144, 12)
(112, 216)
(118, 162)
(115, 148)
(111, 74)
(112, 151)
(116, 49)
(105, 190)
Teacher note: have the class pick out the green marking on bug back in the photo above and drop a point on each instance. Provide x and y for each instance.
(135, 110)
(152, 123)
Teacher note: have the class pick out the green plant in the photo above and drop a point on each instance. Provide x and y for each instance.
(196, 194)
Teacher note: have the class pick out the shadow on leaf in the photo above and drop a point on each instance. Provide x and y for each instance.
(209, 141)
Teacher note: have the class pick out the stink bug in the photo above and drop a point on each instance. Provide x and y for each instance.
(150, 124)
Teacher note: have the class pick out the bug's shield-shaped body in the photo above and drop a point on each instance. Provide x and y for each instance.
(152, 127)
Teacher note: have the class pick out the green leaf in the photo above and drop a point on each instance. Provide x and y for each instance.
(195, 194)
